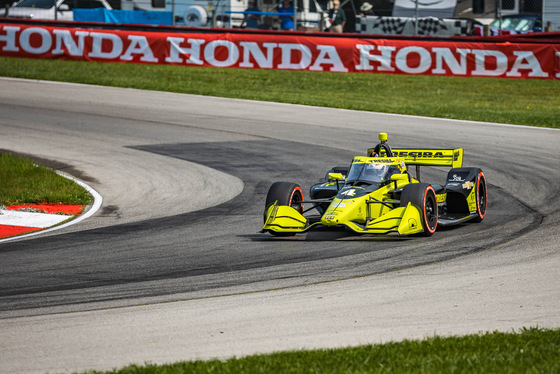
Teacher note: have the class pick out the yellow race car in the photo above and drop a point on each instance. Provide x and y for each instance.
(378, 195)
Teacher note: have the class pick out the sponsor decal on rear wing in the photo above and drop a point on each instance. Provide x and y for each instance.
(429, 157)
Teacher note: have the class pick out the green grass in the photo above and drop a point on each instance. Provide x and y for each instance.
(528, 351)
(24, 182)
(523, 102)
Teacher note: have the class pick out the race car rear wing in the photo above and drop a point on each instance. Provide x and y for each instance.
(428, 157)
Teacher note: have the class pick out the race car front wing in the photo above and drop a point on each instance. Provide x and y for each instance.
(282, 219)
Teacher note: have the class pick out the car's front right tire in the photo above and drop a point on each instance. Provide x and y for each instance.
(423, 196)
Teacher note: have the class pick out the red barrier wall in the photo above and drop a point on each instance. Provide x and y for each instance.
(286, 51)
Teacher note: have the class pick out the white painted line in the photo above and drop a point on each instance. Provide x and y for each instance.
(97, 201)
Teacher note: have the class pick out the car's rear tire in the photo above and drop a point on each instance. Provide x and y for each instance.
(423, 196)
(285, 193)
(481, 197)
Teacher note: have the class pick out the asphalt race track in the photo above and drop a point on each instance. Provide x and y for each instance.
(173, 267)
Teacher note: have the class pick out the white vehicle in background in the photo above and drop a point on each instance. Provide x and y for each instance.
(149, 5)
(46, 9)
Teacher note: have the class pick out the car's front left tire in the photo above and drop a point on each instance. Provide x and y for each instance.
(285, 193)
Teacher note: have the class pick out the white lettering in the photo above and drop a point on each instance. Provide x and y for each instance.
(139, 45)
(416, 59)
(25, 42)
(252, 49)
(192, 53)
(329, 56)
(97, 46)
(73, 48)
(366, 57)
(287, 63)
(480, 63)
(456, 67)
(401, 60)
(210, 53)
(526, 60)
(10, 39)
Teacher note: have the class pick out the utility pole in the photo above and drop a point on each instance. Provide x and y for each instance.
(416, 18)
(295, 15)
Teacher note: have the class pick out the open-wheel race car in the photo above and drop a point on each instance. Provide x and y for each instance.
(378, 195)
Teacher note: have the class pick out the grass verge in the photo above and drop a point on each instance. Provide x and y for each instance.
(523, 102)
(528, 351)
(24, 182)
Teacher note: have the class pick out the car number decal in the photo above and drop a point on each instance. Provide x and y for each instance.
(350, 192)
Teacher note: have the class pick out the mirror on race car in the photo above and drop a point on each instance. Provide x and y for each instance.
(399, 177)
(336, 176)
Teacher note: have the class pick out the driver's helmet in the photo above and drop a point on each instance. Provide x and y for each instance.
(375, 172)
